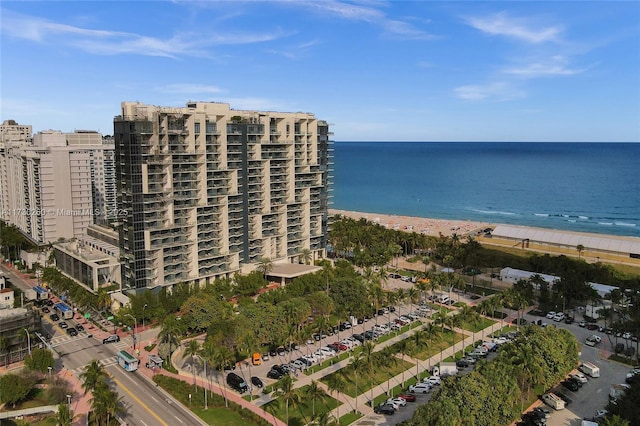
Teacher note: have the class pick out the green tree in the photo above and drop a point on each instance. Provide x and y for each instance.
(105, 403)
(39, 360)
(337, 381)
(193, 350)
(15, 388)
(170, 331)
(288, 394)
(306, 256)
(64, 416)
(265, 265)
(92, 376)
(314, 392)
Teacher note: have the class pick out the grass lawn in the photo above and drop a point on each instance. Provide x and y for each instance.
(365, 382)
(623, 359)
(329, 362)
(480, 325)
(302, 412)
(349, 418)
(436, 346)
(504, 330)
(216, 413)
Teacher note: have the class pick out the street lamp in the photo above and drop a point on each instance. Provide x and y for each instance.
(69, 400)
(135, 325)
(49, 368)
(143, 308)
(28, 340)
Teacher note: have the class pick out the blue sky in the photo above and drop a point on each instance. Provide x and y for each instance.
(375, 70)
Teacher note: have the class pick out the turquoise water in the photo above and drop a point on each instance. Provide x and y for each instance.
(588, 187)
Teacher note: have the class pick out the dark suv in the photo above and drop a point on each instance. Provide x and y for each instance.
(111, 339)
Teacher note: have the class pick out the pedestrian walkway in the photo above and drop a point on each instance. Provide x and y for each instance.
(187, 376)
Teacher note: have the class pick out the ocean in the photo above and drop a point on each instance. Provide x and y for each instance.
(586, 187)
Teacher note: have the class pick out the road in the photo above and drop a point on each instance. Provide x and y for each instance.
(145, 403)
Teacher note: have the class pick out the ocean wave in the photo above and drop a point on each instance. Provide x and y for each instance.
(624, 224)
(583, 217)
(606, 223)
(494, 212)
(541, 214)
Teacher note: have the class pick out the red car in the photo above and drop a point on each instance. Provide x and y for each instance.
(339, 346)
(407, 397)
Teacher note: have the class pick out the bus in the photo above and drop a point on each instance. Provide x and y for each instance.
(127, 361)
(65, 310)
(41, 293)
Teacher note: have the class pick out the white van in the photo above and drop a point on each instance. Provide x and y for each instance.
(589, 369)
(553, 401)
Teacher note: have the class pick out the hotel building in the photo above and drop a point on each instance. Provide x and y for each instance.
(207, 191)
(54, 185)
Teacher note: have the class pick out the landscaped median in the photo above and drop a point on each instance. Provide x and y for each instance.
(216, 411)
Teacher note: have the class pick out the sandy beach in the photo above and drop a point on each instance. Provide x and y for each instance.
(420, 225)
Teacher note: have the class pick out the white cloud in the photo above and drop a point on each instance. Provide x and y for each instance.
(504, 25)
(366, 13)
(104, 42)
(555, 66)
(499, 91)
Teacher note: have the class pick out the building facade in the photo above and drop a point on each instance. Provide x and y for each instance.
(54, 184)
(206, 191)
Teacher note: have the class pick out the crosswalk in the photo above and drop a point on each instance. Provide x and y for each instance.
(105, 362)
(61, 340)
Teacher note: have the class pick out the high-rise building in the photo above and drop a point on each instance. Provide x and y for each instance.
(55, 184)
(207, 191)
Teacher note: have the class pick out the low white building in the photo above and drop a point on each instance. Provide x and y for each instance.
(511, 275)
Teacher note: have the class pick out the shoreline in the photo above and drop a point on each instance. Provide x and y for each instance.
(448, 227)
(420, 225)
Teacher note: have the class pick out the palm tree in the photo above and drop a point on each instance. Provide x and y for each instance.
(193, 350)
(580, 249)
(325, 419)
(93, 375)
(64, 416)
(418, 340)
(208, 353)
(105, 403)
(413, 295)
(337, 381)
(289, 395)
(367, 356)
(103, 301)
(314, 391)
(306, 256)
(170, 331)
(223, 357)
(402, 346)
(265, 265)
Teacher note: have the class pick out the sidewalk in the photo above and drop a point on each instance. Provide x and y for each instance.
(187, 376)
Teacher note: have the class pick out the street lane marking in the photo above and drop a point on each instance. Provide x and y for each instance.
(142, 404)
(179, 420)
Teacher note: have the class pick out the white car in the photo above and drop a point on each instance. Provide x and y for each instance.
(396, 402)
(579, 376)
(593, 340)
(420, 388)
(500, 340)
(626, 335)
(320, 355)
(433, 380)
(327, 351)
(551, 314)
(299, 365)
(558, 317)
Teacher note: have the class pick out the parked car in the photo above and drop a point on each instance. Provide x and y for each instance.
(433, 380)
(257, 382)
(582, 324)
(63, 325)
(551, 314)
(384, 409)
(592, 327)
(571, 385)
(54, 317)
(45, 310)
(462, 363)
(407, 397)
(79, 327)
(543, 411)
(72, 331)
(265, 356)
(576, 381)
(397, 402)
(593, 340)
(274, 374)
(579, 376)
(420, 388)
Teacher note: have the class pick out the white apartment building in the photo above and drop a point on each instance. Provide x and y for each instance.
(207, 191)
(54, 184)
